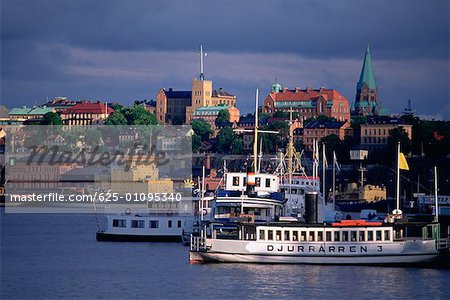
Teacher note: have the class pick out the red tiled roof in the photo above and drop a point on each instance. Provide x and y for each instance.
(88, 107)
(306, 95)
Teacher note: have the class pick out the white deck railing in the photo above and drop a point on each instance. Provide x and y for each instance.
(197, 243)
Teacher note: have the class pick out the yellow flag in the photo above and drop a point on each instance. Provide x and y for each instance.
(402, 163)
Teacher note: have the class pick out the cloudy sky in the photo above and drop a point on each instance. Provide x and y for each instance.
(126, 50)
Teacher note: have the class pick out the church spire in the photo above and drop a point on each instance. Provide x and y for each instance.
(367, 75)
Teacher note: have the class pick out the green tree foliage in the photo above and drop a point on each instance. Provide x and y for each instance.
(116, 118)
(273, 141)
(320, 118)
(202, 129)
(51, 118)
(223, 116)
(281, 114)
(117, 107)
(137, 115)
(229, 142)
(196, 143)
(357, 121)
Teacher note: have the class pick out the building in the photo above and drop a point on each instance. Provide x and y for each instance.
(210, 113)
(60, 104)
(180, 106)
(171, 105)
(318, 129)
(366, 100)
(29, 114)
(150, 106)
(86, 113)
(307, 103)
(376, 131)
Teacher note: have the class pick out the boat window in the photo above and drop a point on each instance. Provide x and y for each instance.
(295, 235)
(267, 182)
(328, 236)
(169, 223)
(320, 236)
(362, 237)
(378, 235)
(258, 181)
(137, 223)
(353, 236)
(119, 223)
(278, 236)
(345, 236)
(154, 224)
(235, 181)
(337, 236)
(303, 236)
(387, 235)
(179, 223)
(270, 235)
(311, 236)
(369, 235)
(261, 234)
(287, 236)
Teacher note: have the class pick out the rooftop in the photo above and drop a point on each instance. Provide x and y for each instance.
(324, 124)
(89, 107)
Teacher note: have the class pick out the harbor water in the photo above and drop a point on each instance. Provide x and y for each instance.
(56, 256)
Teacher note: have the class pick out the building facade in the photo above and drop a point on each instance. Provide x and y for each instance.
(307, 103)
(376, 131)
(86, 113)
(171, 105)
(316, 130)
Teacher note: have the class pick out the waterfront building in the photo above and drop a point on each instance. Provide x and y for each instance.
(318, 129)
(376, 131)
(307, 103)
(86, 113)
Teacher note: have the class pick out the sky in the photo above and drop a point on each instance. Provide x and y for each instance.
(122, 51)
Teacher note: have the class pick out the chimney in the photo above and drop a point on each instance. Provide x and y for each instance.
(309, 89)
(285, 89)
(170, 89)
(297, 89)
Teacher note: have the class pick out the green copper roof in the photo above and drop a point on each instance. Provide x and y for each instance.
(367, 76)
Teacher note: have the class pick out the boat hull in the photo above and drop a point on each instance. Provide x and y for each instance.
(211, 257)
(111, 237)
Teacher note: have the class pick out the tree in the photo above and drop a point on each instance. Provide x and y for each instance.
(196, 143)
(117, 107)
(138, 115)
(225, 140)
(237, 147)
(320, 118)
(202, 129)
(116, 118)
(51, 118)
(223, 116)
(281, 114)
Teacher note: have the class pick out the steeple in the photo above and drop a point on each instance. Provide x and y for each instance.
(367, 76)
(366, 100)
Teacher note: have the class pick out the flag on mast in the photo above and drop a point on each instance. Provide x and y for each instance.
(402, 163)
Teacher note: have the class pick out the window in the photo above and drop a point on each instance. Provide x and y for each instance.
(303, 236)
(362, 237)
(278, 236)
(179, 223)
(311, 236)
(137, 223)
(387, 235)
(337, 236)
(369, 236)
(345, 236)
(295, 235)
(270, 235)
(235, 181)
(261, 234)
(267, 182)
(353, 236)
(258, 181)
(328, 236)
(320, 236)
(154, 224)
(119, 223)
(169, 223)
(378, 235)
(287, 236)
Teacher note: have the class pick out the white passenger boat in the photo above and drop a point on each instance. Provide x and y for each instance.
(142, 224)
(338, 243)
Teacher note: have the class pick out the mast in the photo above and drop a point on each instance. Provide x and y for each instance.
(255, 141)
(334, 179)
(202, 71)
(324, 162)
(436, 194)
(397, 209)
(203, 193)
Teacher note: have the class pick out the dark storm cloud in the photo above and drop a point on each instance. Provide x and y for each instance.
(127, 50)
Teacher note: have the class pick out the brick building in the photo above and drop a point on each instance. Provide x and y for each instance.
(86, 113)
(322, 128)
(308, 102)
